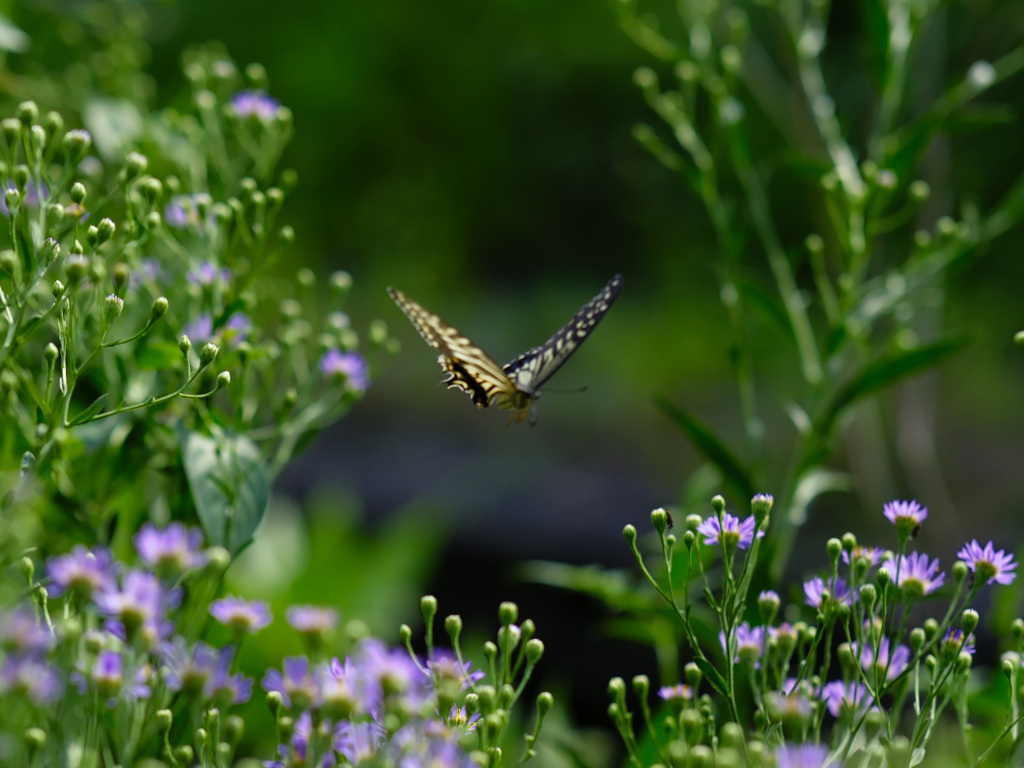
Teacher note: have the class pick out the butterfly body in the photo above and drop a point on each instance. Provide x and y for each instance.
(515, 385)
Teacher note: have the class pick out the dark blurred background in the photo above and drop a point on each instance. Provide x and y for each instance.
(478, 156)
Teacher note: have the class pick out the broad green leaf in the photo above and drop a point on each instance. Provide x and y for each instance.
(95, 407)
(885, 371)
(228, 481)
(711, 448)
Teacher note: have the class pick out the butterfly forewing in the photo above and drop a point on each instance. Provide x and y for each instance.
(469, 368)
(531, 369)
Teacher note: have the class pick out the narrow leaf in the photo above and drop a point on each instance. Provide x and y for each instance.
(95, 407)
(885, 371)
(712, 449)
(713, 676)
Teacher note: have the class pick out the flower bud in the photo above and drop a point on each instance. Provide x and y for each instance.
(508, 612)
(969, 620)
(629, 533)
(164, 719)
(28, 113)
(341, 282)
(149, 188)
(37, 138)
(113, 307)
(184, 344)
(76, 266)
(12, 198)
(78, 192)
(208, 353)
(53, 123)
(11, 127)
(106, 230)
(534, 650)
(76, 144)
(428, 609)
(135, 165)
(223, 379)
(660, 520)
(718, 504)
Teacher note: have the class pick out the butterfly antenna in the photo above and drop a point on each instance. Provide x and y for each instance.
(579, 391)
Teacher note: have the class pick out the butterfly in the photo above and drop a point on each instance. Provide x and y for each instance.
(517, 384)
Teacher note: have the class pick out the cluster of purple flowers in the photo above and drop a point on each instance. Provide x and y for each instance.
(358, 703)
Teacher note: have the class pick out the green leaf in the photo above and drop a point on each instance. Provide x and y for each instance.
(712, 675)
(228, 481)
(885, 371)
(712, 449)
(95, 407)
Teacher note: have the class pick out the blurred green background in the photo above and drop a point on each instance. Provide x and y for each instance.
(478, 156)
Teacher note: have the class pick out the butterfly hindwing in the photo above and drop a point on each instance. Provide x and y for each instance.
(469, 368)
(531, 369)
(517, 384)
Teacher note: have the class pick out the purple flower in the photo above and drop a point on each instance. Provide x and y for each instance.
(82, 572)
(139, 608)
(677, 692)
(225, 688)
(816, 592)
(236, 329)
(953, 642)
(462, 721)
(872, 554)
(29, 677)
(849, 696)
(915, 574)
(297, 684)
(185, 670)
(311, 619)
(200, 329)
(425, 744)
(183, 211)
(987, 563)
(729, 532)
(360, 741)
(20, 633)
(784, 632)
(255, 104)
(241, 616)
(803, 756)
(749, 643)
(907, 516)
(884, 666)
(207, 274)
(148, 269)
(446, 666)
(295, 753)
(348, 366)
(174, 549)
(391, 676)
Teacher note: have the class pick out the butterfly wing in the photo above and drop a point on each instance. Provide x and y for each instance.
(469, 368)
(531, 369)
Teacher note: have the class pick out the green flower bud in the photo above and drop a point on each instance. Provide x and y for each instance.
(286, 234)
(208, 353)
(12, 198)
(76, 144)
(106, 230)
(122, 273)
(490, 651)
(37, 138)
(164, 719)
(152, 221)
(135, 165)
(76, 266)
(184, 755)
(150, 189)
(545, 701)
(641, 686)
(184, 344)
(718, 504)
(248, 186)
(428, 609)
(289, 179)
(969, 620)
(223, 379)
(50, 352)
(931, 626)
(256, 75)
(834, 548)
(53, 123)
(617, 689)
(959, 571)
(306, 277)
(35, 740)
(28, 113)
(78, 192)
(508, 612)
(660, 520)
(11, 128)
(58, 289)
(453, 626)
(731, 736)
(629, 533)
(112, 308)
(534, 650)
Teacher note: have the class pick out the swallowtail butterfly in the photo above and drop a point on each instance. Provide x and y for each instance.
(516, 385)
